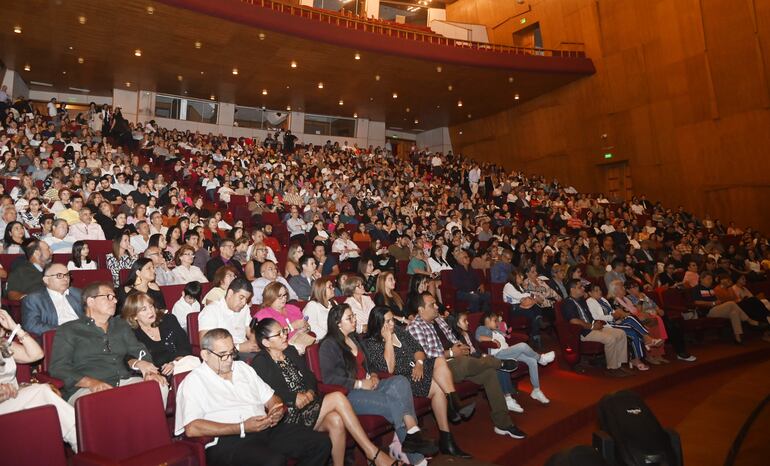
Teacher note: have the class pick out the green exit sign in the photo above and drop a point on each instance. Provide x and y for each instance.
(523, 20)
(608, 155)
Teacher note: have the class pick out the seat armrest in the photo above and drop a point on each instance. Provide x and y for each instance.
(43, 377)
(485, 346)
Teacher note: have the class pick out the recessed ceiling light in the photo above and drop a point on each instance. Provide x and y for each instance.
(81, 60)
(459, 103)
(150, 10)
(320, 85)
(342, 102)
(510, 79)
(288, 87)
(293, 64)
(439, 69)
(395, 95)
(235, 71)
(202, 72)
(128, 84)
(438, 106)
(516, 97)
(71, 47)
(416, 121)
(198, 44)
(376, 77)
(408, 109)
(469, 115)
(212, 97)
(64, 72)
(17, 29)
(461, 131)
(288, 108)
(38, 83)
(449, 87)
(357, 56)
(264, 91)
(261, 36)
(355, 115)
(82, 19)
(179, 77)
(138, 53)
(371, 99)
(27, 68)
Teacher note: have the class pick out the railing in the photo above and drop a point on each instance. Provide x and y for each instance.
(370, 26)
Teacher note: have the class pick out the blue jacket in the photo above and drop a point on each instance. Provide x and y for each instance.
(38, 314)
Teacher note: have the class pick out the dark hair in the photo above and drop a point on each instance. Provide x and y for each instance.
(135, 268)
(376, 322)
(618, 262)
(92, 290)
(7, 239)
(512, 279)
(572, 283)
(77, 247)
(30, 247)
(453, 320)
(240, 284)
(193, 289)
(304, 259)
(335, 335)
(262, 330)
(154, 241)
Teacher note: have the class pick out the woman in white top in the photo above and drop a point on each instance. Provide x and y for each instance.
(80, 259)
(346, 248)
(436, 261)
(14, 398)
(185, 271)
(360, 303)
(523, 304)
(317, 309)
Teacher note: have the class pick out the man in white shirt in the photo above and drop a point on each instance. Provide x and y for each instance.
(59, 239)
(233, 314)
(227, 399)
(269, 274)
(141, 240)
(87, 228)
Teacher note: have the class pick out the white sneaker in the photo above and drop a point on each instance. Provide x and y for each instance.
(547, 358)
(513, 405)
(538, 395)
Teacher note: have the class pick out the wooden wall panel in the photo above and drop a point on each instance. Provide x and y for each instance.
(682, 90)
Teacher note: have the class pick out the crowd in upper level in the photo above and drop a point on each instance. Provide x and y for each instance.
(373, 264)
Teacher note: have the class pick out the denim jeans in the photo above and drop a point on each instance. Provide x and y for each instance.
(476, 301)
(523, 353)
(534, 317)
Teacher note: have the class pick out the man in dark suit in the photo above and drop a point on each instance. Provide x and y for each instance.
(56, 304)
(226, 252)
(27, 276)
(302, 284)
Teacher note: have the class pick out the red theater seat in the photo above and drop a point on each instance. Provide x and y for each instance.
(32, 437)
(82, 278)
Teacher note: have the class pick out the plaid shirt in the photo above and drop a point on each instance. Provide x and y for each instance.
(426, 336)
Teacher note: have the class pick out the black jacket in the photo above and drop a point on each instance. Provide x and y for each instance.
(333, 365)
(268, 370)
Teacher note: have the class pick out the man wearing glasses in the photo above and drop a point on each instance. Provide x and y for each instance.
(99, 351)
(233, 314)
(56, 304)
(226, 399)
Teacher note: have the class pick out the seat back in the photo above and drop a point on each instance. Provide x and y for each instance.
(27, 449)
(314, 361)
(7, 260)
(172, 294)
(82, 278)
(122, 422)
(98, 250)
(192, 333)
(48, 338)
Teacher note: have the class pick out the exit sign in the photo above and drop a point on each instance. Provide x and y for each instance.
(608, 155)
(523, 20)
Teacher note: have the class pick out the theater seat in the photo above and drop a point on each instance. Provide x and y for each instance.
(43, 375)
(25, 448)
(127, 425)
(569, 340)
(82, 278)
(193, 333)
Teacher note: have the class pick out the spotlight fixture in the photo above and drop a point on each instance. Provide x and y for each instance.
(416, 122)
(235, 71)
(461, 131)
(81, 60)
(341, 102)
(138, 53)
(459, 103)
(261, 36)
(212, 97)
(288, 108)
(71, 47)
(355, 115)
(320, 85)
(516, 97)
(293, 64)
(179, 77)
(17, 29)
(395, 95)
(128, 84)
(438, 69)
(150, 10)
(82, 19)
(27, 68)
(198, 44)
(202, 72)
(357, 56)
(376, 77)
(449, 87)
(408, 109)
(264, 91)
(510, 79)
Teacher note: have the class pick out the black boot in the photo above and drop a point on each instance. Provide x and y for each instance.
(447, 445)
(456, 412)
(415, 443)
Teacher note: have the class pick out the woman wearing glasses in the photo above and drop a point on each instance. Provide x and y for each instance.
(185, 271)
(160, 333)
(343, 362)
(274, 306)
(358, 300)
(281, 367)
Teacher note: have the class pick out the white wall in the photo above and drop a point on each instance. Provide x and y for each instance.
(436, 140)
(459, 31)
(71, 98)
(372, 8)
(16, 85)
(128, 101)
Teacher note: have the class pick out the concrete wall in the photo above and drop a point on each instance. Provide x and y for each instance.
(436, 140)
(16, 85)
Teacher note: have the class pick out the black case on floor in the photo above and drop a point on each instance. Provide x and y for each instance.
(631, 434)
(581, 455)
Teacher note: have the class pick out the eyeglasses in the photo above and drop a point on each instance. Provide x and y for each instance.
(110, 297)
(59, 275)
(283, 296)
(229, 355)
(284, 331)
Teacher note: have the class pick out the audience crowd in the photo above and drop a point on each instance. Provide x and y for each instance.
(399, 275)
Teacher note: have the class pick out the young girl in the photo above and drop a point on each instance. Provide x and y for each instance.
(80, 258)
(522, 352)
(188, 303)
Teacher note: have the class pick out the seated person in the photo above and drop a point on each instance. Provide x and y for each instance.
(185, 271)
(141, 278)
(358, 300)
(160, 333)
(316, 311)
(226, 252)
(521, 352)
(575, 311)
(222, 279)
(707, 302)
(388, 297)
(99, 351)
(81, 260)
(343, 362)
(523, 304)
(59, 239)
(188, 303)
(466, 282)
(302, 284)
(281, 367)
(14, 398)
(27, 276)
(231, 313)
(86, 228)
(269, 274)
(290, 317)
(54, 305)
(437, 340)
(226, 399)
(392, 350)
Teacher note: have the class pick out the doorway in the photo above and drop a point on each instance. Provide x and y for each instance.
(617, 182)
(529, 37)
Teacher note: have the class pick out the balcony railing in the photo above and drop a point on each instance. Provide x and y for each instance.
(376, 27)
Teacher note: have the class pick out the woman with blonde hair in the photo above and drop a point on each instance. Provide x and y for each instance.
(222, 279)
(317, 309)
(293, 256)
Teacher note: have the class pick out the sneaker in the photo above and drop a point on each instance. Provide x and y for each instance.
(538, 395)
(509, 365)
(686, 357)
(547, 358)
(512, 431)
(513, 405)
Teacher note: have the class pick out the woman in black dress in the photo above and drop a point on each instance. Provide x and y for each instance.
(281, 367)
(142, 279)
(160, 333)
(388, 297)
(392, 349)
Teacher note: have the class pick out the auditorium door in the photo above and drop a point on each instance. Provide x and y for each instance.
(617, 182)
